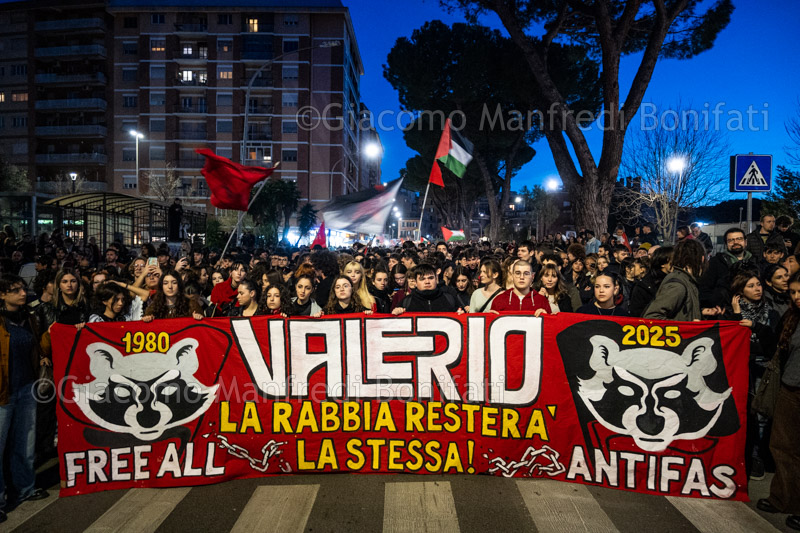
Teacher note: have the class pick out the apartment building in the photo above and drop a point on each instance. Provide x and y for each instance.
(123, 92)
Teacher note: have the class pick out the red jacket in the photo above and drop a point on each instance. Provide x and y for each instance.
(223, 293)
(509, 301)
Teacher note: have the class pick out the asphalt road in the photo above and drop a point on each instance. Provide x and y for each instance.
(348, 502)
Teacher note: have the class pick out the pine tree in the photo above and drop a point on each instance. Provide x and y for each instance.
(785, 196)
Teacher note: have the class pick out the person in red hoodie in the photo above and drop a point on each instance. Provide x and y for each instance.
(520, 297)
(224, 294)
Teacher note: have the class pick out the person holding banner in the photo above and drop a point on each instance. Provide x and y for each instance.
(249, 294)
(784, 492)
(302, 303)
(427, 297)
(170, 301)
(343, 299)
(521, 297)
(606, 290)
(276, 301)
(491, 277)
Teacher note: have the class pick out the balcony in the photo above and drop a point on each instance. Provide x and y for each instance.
(259, 82)
(192, 162)
(58, 159)
(199, 108)
(192, 135)
(195, 56)
(87, 50)
(194, 82)
(72, 103)
(259, 136)
(196, 27)
(78, 25)
(71, 131)
(98, 78)
(265, 109)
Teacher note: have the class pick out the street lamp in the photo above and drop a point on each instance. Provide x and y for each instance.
(676, 165)
(269, 62)
(137, 136)
(552, 184)
(73, 176)
(518, 199)
(372, 150)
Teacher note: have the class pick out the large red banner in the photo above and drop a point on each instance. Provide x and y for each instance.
(653, 407)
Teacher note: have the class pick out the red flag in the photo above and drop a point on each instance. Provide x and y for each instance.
(320, 238)
(442, 150)
(230, 183)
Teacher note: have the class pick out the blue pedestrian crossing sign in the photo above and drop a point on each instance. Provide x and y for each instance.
(751, 173)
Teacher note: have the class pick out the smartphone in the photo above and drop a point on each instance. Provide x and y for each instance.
(152, 261)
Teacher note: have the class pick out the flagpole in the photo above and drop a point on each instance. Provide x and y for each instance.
(243, 213)
(422, 211)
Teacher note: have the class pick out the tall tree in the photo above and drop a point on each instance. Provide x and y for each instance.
(674, 167)
(13, 178)
(474, 74)
(278, 200)
(784, 199)
(608, 29)
(306, 220)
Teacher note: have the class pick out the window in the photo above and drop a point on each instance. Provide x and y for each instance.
(289, 155)
(289, 100)
(186, 75)
(202, 50)
(130, 100)
(224, 45)
(289, 126)
(129, 154)
(158, 72)
(129, 74)
(187, 49)
(157, 99)
(157, 153)
(252, 25)
(291, 73)
(224, 18)
(19, 148)
(19, 96)
(202, 78)
(158, 45)
(224, 126)
(2, 97)
(225, 72)
(129, 183)
(291, 20)
(19, 70)
(157, 125)
(157, 18)
(130, 22)
(19, 122)
(290, 45)
(130, 48)
(224, 99)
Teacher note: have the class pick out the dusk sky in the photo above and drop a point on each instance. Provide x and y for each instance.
(755, 63)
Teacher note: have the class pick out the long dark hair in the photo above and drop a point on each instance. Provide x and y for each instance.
(105, 291)
(689, 254)
(790, 319)
(461, 271)
(159, 307)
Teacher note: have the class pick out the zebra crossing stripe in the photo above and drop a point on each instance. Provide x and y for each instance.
(139, 511)
(711, 516)
(419, 506)
(278, 508)
(556, 507)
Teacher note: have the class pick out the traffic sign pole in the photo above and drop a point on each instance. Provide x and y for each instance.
(749, 212)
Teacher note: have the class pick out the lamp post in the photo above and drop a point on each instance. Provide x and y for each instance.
(73, 176)
(399, 216)
(137, 136)
(677, 164)
(269, 62)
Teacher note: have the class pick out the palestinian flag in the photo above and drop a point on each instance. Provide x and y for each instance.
(423, 240)
(363, 211)
(454, 152)
(453, 235)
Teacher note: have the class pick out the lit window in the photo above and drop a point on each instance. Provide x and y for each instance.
(19, 96)
(224, 45)
(186, 75)
(225, 73)
(158, 45)
(187, 49)
(2, 97)
(252, 25)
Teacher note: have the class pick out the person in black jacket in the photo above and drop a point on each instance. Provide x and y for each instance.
(379, 289)
(702, 237)
(426, 296)
(765, 233)
(714, 285)
(644, 290)
(327, 268)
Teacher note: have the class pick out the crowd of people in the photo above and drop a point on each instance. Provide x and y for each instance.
(752, 279)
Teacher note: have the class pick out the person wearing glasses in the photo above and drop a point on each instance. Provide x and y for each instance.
(520, 297)
(715, 282)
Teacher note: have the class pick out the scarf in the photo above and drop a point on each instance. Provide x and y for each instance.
(756, 312)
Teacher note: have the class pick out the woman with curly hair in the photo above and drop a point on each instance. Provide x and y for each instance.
(169, 300)
(276, 301)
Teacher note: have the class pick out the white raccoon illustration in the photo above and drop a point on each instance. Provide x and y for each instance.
(143, 394)
(655, 396)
